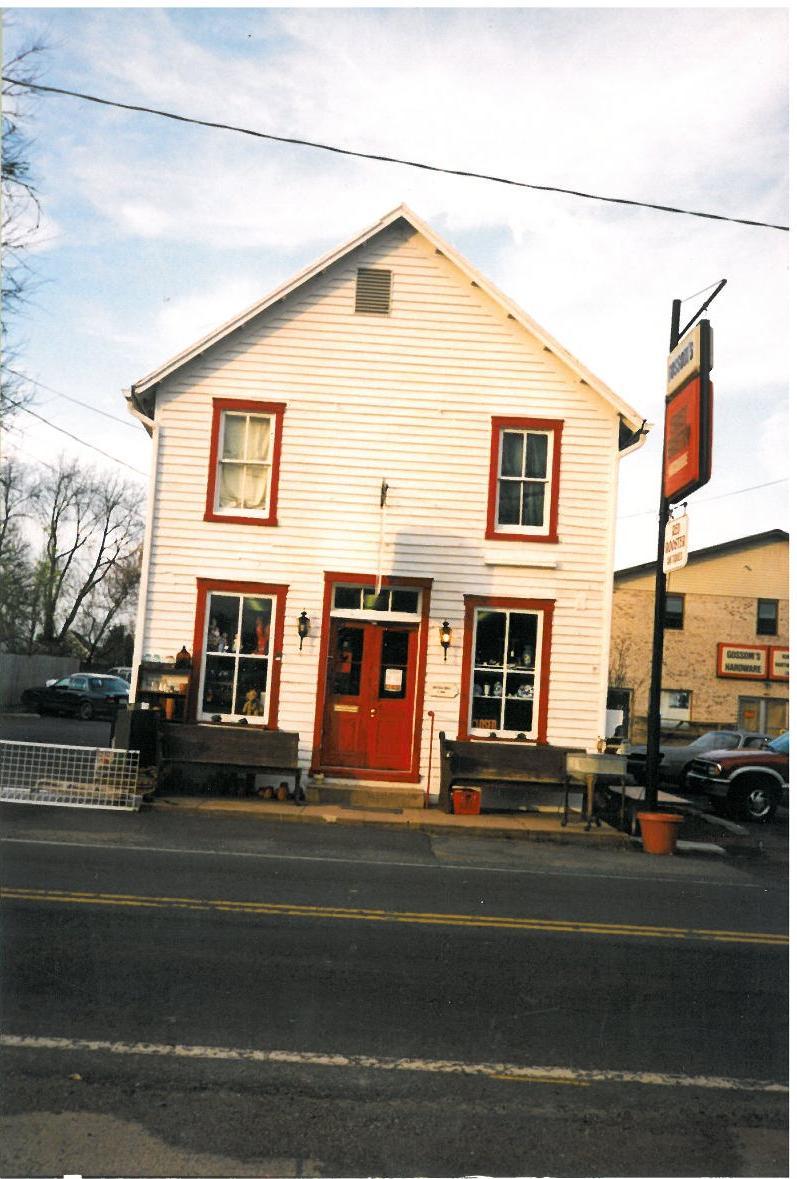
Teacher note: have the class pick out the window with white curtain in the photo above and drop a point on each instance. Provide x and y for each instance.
(245, 457)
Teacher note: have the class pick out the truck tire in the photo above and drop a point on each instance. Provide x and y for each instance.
(754, 798)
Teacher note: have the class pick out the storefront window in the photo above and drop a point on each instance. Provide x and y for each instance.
(363, 597)
(504, 673)
(236, 663)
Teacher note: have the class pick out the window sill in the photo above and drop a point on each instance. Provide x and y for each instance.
(259, 521)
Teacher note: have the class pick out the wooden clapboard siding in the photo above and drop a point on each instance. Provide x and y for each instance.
(408, 397)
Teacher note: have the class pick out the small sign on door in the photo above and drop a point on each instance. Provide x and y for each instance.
(394, 679)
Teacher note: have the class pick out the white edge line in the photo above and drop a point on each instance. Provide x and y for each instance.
(392, 1064)
(697, 881)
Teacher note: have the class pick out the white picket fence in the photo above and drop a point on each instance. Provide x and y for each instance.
(69, 775)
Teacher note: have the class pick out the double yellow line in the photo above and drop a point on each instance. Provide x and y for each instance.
(390, 916)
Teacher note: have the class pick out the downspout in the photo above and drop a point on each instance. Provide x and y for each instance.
(153, 429)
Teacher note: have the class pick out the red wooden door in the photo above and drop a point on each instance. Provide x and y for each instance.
(370, 704)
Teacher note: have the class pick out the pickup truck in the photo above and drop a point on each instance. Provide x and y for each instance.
(749, 783)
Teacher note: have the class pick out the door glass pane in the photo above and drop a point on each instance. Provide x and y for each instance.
(222, 622)
(373, 601)
(348, 658)
(533, 504)
(348, 597)
(255, 626)
(405, 601)
(509, 501)
(536, 456)
(250, 689)
(511, 453)
(393, 668)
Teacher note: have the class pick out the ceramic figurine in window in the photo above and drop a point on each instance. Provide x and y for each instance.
(526, 657)
(251, 704)
(261, 636)
(214, 636)
(183, 657)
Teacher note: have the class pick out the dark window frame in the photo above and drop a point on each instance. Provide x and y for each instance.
(674, 620)
(766, 626)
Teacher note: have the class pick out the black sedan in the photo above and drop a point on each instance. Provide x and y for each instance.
(675, 760)
(83, 694)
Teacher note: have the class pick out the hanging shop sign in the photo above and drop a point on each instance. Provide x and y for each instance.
(676, 549)
(688, 416)
(742, 663)
(778, 663)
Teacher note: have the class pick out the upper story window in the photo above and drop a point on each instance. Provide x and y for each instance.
(372, 291)
(767, 617)
(244, 462)
(524, 479)
(674, 611)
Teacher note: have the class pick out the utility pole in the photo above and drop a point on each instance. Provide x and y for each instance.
(656, 662)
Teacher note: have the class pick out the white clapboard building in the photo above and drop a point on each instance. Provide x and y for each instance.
(390, 450)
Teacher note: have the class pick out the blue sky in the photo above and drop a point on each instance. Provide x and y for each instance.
(155, 232)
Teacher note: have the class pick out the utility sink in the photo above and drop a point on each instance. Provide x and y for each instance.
(582, 766)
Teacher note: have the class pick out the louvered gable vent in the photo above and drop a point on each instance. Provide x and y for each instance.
(373, 291)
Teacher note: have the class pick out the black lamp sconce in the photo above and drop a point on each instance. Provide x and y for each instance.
(303, 627)
(445, 637)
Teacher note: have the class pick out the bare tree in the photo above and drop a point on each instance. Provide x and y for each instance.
(92, 528)
(17, 592)
(113, 599)
(21, 216)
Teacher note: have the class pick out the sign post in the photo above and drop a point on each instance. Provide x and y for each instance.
(685, 466)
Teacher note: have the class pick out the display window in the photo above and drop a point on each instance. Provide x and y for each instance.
(505, 670)
(524, 479)
(237, 632)
(244, 462)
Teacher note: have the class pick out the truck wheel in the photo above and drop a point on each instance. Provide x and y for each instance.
(754, 800)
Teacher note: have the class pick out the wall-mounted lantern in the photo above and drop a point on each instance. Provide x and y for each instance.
(303, 627)
(445, 637)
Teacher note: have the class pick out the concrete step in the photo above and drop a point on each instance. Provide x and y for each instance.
(365, 794)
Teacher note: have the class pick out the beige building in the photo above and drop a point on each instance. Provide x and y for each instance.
(726, 654)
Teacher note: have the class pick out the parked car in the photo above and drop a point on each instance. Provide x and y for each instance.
(675, 761)
(83, 694)
(124, 673)
(749, 783)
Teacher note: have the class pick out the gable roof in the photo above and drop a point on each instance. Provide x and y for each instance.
(715, 550)
(632, 420)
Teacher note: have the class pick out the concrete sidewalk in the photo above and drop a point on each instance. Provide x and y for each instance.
(537, 826)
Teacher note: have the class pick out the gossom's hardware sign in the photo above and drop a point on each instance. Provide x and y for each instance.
(746, 663)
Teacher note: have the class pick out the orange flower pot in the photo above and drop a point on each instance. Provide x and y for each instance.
(659, 831)
(466, 800)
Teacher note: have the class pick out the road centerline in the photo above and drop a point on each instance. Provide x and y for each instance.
(391, 916)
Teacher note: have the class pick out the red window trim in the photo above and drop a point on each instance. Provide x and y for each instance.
(220, 405)
(546, 607)
(547, 425)
(424, 584)
(206, 585)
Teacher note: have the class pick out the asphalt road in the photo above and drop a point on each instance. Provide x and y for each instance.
(247, 997)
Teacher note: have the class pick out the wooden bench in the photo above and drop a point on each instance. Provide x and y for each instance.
(237, 747)
(521, 766)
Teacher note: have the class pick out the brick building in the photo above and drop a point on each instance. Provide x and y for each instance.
(726, 655)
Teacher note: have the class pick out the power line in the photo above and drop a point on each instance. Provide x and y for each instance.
(74, 400)
(709, 498)
(363, 155)
(74, 437)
